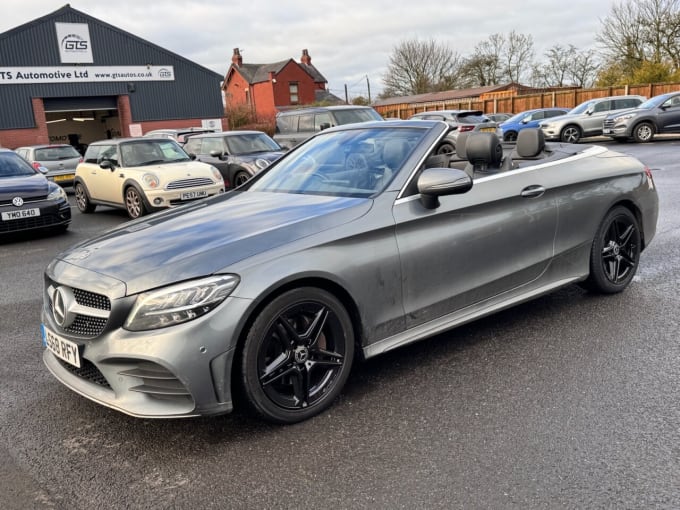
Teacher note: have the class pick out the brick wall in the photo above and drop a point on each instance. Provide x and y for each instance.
(13, 138)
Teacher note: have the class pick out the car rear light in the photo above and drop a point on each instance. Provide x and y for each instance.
(80, 160)
(650, 178)
(462, 129)
(36, 165)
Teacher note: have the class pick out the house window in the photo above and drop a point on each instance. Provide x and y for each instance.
(293, 89)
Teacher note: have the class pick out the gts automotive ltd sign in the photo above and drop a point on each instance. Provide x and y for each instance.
(82, 74)
(75, 46)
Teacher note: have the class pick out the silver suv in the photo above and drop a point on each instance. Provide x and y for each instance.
(295, 126)
(587, 118)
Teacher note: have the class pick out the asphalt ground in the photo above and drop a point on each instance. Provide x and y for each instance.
(568, 401)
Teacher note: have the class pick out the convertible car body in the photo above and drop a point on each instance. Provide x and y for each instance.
(358, 241)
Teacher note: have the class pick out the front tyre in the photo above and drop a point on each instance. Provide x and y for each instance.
(297, 355)
(643, 132)
(571, 134)
(134, 203)
(615, 252)
(82, 200)
(241, 177)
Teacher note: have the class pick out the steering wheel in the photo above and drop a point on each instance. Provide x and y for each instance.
(356, 162)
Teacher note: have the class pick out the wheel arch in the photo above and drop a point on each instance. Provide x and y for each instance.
(635, 210)
(645, 121)
(132, 183)
(319, 282)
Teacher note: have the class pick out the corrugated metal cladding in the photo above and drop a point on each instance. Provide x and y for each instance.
(195, 92)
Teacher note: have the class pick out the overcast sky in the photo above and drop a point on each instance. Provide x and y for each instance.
(348, 40)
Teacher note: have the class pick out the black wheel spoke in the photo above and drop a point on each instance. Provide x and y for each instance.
(287, 332)
(311, 336)
(301, 388)
(280, 367)
(626, 236)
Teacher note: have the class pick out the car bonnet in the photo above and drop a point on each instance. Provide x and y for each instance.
(208, 236)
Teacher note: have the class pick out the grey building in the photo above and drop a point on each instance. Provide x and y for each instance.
(70, 78)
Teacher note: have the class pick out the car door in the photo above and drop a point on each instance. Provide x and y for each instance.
(669, 115)
(202, 147)
(102, 183)
(592, 123)
(496, 237)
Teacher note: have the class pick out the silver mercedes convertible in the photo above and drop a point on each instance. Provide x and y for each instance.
(361, 240)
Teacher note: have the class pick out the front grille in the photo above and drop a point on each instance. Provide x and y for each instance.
(28, 201)
(92, 316)
(87, 371)
(189, 183)
(609, 123)
(92, 300)
(42, 221)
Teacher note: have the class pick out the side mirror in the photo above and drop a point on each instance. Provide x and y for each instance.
(107, 164)
(216, 154)
(436, 182)
(192, 156)
(526, 120)
(43, 170)
(589, 111)
(324, 125)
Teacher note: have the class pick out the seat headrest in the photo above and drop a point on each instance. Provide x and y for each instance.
(461, 141)
(530, 142)
(394, 152)
(485, 149)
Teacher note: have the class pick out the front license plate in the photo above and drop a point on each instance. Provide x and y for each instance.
(606, 131)
(488, 130)
(23, 213)
(190, 195)
(65, 177)
(60, 347)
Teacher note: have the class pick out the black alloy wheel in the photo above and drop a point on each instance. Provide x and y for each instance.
(240, 178)
(134, 203)
(615, 252)
(297, 355)
(82, 201)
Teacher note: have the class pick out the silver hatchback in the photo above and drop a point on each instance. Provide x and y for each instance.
(60, 160)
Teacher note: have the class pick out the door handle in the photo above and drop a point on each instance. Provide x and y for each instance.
(533, 191)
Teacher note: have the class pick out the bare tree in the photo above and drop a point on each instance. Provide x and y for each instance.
(638, 31)
(418, 67)
(500, 59)
(517, 57)
(566, 66)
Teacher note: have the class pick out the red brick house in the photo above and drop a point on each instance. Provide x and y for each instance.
(268, 88)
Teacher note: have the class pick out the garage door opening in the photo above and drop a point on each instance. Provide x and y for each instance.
(81, 121)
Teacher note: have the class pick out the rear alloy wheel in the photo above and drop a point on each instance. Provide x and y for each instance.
(615, 253)
(297, 355)
(134, 203)
(240, 178)
(510, 136)
(446, 148)
(571, 134)
(643, 132)
(82, 200)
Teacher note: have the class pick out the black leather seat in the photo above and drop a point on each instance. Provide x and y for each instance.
(530, 144)
(485, 154)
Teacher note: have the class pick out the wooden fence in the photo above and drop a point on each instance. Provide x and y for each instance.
(515, 104)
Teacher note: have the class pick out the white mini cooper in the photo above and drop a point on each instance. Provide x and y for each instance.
(142, 175)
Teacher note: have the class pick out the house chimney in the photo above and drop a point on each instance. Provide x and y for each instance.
(305, 58)
(236, 58)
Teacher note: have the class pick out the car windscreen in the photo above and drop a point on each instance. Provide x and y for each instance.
(56, 153)
(358, 115)
(151, 152)
(351, 163)
(581, 108)
(13, 165)
(250, 143)
(654, 102)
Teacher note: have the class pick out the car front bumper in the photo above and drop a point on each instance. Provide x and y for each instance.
(174, 372)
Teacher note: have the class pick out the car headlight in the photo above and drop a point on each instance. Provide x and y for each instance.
(179, 303)
(261, 163)
(216, 174)
(150, 180)
(621, 118)
(57, 193)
